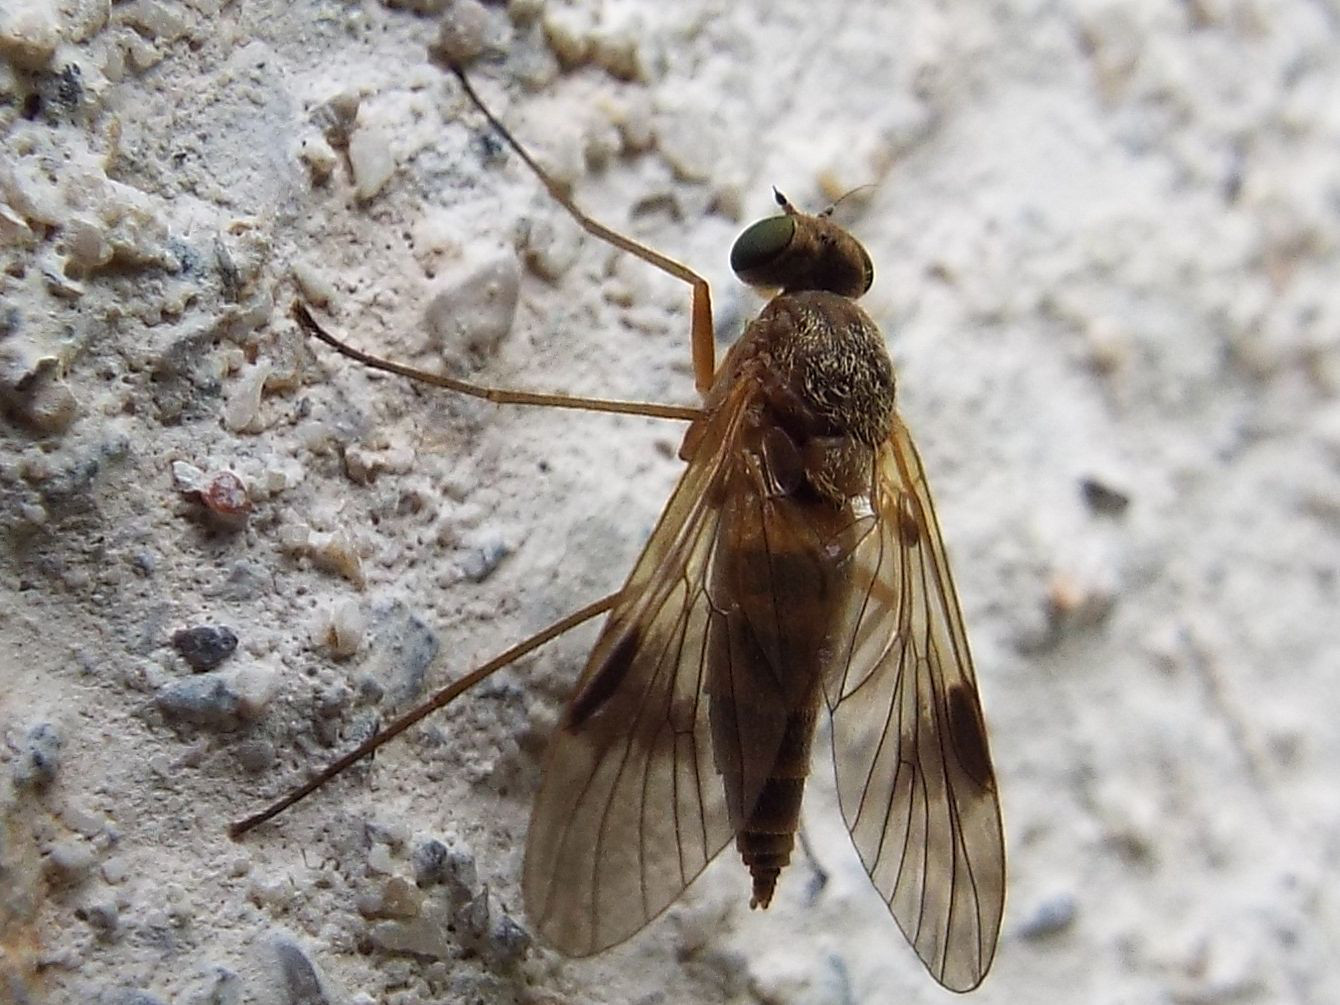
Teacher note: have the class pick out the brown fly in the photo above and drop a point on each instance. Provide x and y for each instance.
(798, 567)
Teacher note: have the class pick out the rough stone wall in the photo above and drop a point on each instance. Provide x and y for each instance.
(1106, 238)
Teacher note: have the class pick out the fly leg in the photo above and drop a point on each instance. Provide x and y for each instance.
(443, 698)
(704, 360)
(500, 396)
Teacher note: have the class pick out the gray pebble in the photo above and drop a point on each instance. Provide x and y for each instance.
(430, 863)
(39, 757)
(417, 649)
(205, 646)
(207, 700)
(508, 941)
(1055, 914)
(477, 564)
(452, 866)
(1102, 499)
(300, 983)
(402, 652)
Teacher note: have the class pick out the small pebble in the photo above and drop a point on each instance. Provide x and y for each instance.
(1103, 499)
(43, 401)
(269, 891)
(425, 936)
(245, 581)
(69, 862)
(334, 552)
(463, 33)
(508, 941)
(550, 248)
(38, 758)
(404, 649)
(524, 11)
(618, 53)
(430, 862)
(316, 289)
(363, 464)
(397, 898)
(241, 413)
(255, 686)
(187, 478)
(474, 308)
(155, 20)
(568, 32)
(345, 628)
(225, 495)
(321, 161)
(372, 158)
(115, 871)
(30, 32)
(380, 860)
(204, 647)
(336, 118)
(208, 700)
(1053, 915)
(301, 984)
(479, 562)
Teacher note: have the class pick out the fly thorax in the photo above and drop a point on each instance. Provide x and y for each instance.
(827, 391)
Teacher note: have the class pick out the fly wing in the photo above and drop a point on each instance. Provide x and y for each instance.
(630, 809)
(913, 767)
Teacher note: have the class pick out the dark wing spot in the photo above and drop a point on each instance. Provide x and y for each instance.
(968, 733)
(910, 520)
(604, 681)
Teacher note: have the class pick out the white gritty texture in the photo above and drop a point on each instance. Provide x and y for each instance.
(1106, 239)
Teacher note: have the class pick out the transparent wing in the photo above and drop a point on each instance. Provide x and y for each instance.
(913, 767)
(630, 809)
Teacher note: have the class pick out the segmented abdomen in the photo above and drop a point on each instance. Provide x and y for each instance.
(768, 835)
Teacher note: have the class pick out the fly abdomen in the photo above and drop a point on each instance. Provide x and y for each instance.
(768, 835)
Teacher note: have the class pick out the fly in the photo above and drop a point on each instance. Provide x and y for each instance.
(797, 570)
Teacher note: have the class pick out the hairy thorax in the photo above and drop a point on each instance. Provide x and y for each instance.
(825, 391)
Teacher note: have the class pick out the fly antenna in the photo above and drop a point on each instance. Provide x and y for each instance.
(845, 196)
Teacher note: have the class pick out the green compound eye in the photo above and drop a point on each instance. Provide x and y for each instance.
(762, 243)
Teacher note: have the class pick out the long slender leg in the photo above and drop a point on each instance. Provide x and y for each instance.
(497, 395)
(443, 698)
(704, 362)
